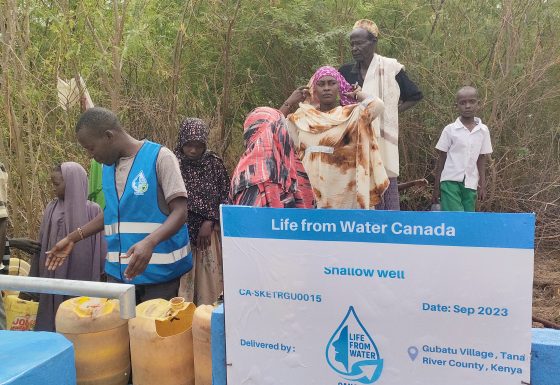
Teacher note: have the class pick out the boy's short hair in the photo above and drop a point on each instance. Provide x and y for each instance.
(466, 88)
(99, 120)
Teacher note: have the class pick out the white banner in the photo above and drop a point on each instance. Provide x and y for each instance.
(332, 297)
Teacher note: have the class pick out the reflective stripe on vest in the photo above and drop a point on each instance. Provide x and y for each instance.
(131, 228)
(157, 258)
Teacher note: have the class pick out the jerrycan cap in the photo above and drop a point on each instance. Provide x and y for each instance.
(177, 303)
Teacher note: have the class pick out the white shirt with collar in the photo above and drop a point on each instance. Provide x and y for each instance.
(463, 148)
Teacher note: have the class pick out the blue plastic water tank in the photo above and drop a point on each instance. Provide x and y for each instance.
(32, 358)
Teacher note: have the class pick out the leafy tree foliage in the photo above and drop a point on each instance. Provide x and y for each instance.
(155, 62)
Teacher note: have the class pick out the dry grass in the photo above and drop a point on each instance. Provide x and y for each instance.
(546, 287)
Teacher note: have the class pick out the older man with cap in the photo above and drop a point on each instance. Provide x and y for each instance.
(385, 78)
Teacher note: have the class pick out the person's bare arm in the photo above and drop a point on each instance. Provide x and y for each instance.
(437, 175)
(481, 165)
(58, 254)
(26, 245)
(140, 253)
(291, 104)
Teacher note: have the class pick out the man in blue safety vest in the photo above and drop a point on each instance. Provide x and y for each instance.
(145, 209)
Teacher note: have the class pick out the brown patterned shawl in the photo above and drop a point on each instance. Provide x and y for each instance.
(340, 153)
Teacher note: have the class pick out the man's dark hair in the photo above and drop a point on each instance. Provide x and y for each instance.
(99, 120)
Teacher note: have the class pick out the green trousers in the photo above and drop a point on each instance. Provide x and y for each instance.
(454, 196)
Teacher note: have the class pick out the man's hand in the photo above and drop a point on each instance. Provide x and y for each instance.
(26, 245)
(140, 254)
(203, 239)
(481, 193)
(58, 254)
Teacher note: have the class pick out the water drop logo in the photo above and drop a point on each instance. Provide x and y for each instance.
(140, 184)
(352, 353)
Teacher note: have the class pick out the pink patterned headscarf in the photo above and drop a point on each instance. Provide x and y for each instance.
(343, 85)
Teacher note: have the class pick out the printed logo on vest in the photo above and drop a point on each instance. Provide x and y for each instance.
(352, 353)
(140, 184)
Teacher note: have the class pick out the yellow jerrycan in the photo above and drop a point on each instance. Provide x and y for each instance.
(20, 314)
(201, 345)
(100, 339)
(161, 342)
(19, 267)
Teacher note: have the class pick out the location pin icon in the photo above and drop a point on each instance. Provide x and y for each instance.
(413, 352)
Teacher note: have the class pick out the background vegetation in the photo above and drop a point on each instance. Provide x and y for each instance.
(155, 62)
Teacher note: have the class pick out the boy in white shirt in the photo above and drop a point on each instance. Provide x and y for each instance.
(463, 147)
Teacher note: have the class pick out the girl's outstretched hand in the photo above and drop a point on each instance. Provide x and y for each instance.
(58, 254)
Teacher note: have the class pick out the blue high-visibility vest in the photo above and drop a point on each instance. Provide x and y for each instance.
(135, 215)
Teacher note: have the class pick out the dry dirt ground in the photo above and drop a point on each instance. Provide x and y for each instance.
(546, 287)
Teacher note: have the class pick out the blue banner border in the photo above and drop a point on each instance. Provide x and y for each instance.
(498, 230)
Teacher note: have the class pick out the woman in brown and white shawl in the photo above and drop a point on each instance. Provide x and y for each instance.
(334, 136)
